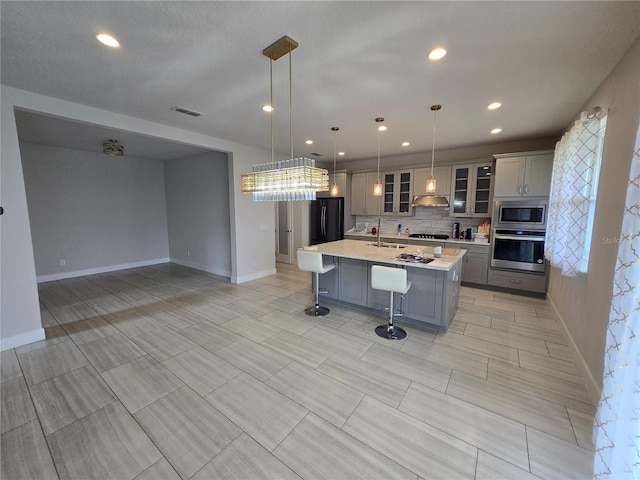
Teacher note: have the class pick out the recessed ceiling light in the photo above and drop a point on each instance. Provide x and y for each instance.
(405, 144)
(107, 40)
(496, 130)
(267, 108)
(382, 128)
(309, 142)
(437, 53)
(494, 105)
(341, 154)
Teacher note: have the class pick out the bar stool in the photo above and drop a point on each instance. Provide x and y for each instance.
(311, 261)
(392, 280)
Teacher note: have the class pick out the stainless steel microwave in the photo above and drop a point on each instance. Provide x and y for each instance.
(520, 214)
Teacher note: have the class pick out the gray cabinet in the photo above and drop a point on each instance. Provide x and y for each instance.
(379, 299)
(433, 296)
(442, 176)
(424, 298)
(471, 190)
(397, 193)
(363, 202)
(475, 265)
(328, 281)
(529, 282)
(523, 175)
(353, 281)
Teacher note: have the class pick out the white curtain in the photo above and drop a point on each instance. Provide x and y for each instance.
(617, 422)
(574, 184)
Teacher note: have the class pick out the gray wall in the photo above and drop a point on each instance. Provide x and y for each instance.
(252, 224)
(92, 210)
(197, 192)
(584, 302)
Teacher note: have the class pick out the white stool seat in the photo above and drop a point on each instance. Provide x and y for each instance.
(311, 261)
(392, 280)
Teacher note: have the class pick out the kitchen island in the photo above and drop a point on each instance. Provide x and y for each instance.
(432, 300)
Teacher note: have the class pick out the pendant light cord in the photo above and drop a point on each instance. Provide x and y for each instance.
(379, 133)
(290, 106)
(271, 113)
(335, 134)
(433, 146)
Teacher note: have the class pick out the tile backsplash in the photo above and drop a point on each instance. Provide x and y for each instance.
(425, 220)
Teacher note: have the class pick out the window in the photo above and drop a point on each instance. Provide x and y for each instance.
(572, 201)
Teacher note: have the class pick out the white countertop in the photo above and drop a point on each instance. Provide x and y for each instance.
(426, 241)
(361, 250)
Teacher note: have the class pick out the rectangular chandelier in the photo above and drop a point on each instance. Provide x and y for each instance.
(296, 178)
(286, 180)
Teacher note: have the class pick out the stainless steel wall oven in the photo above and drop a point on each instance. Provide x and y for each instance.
(518, 250)
(519, 228)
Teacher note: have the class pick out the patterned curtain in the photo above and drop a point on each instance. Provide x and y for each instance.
(617, 422)
(574, 182)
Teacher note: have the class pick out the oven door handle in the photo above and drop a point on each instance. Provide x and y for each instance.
(498, 236)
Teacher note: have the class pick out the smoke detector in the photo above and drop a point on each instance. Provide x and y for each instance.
(113, 148)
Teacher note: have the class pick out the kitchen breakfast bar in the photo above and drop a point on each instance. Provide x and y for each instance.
(432, 300)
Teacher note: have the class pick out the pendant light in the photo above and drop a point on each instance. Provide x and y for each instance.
(291, 179)
(334, 188)
(431, 183)
(377, 188)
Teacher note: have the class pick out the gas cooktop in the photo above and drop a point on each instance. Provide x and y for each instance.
(435, 236)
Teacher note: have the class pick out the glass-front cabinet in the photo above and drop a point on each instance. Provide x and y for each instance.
(397, 193)
(471, 190)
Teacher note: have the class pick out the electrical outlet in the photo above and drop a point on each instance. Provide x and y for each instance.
(62, 261)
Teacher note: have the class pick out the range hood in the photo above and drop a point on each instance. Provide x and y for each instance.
(430, 201)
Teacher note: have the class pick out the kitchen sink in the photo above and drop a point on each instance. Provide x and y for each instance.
(387, 245)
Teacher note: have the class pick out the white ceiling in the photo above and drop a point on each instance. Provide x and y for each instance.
(356, 61)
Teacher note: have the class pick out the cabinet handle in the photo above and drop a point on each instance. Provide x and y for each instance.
(512, 280)
(526, 189)
(519, 189)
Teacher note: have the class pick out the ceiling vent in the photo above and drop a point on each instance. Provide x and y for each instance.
(186, 111)
(113, 148)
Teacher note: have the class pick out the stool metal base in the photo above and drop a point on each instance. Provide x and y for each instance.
(393, 333)
(316, 311)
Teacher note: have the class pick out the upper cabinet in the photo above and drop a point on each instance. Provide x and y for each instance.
(363, 202)
(471, 190)
(343, 180)
(397, 192)
(523, 174)
(442, 176)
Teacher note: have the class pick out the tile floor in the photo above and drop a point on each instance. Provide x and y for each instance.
(165, 372)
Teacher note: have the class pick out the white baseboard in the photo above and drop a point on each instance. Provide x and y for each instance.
(593, 386)
(93, 271)
(253, 276)
(22, 339)
(204, 268)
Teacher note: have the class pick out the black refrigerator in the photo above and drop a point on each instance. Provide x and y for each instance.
(326, 220)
